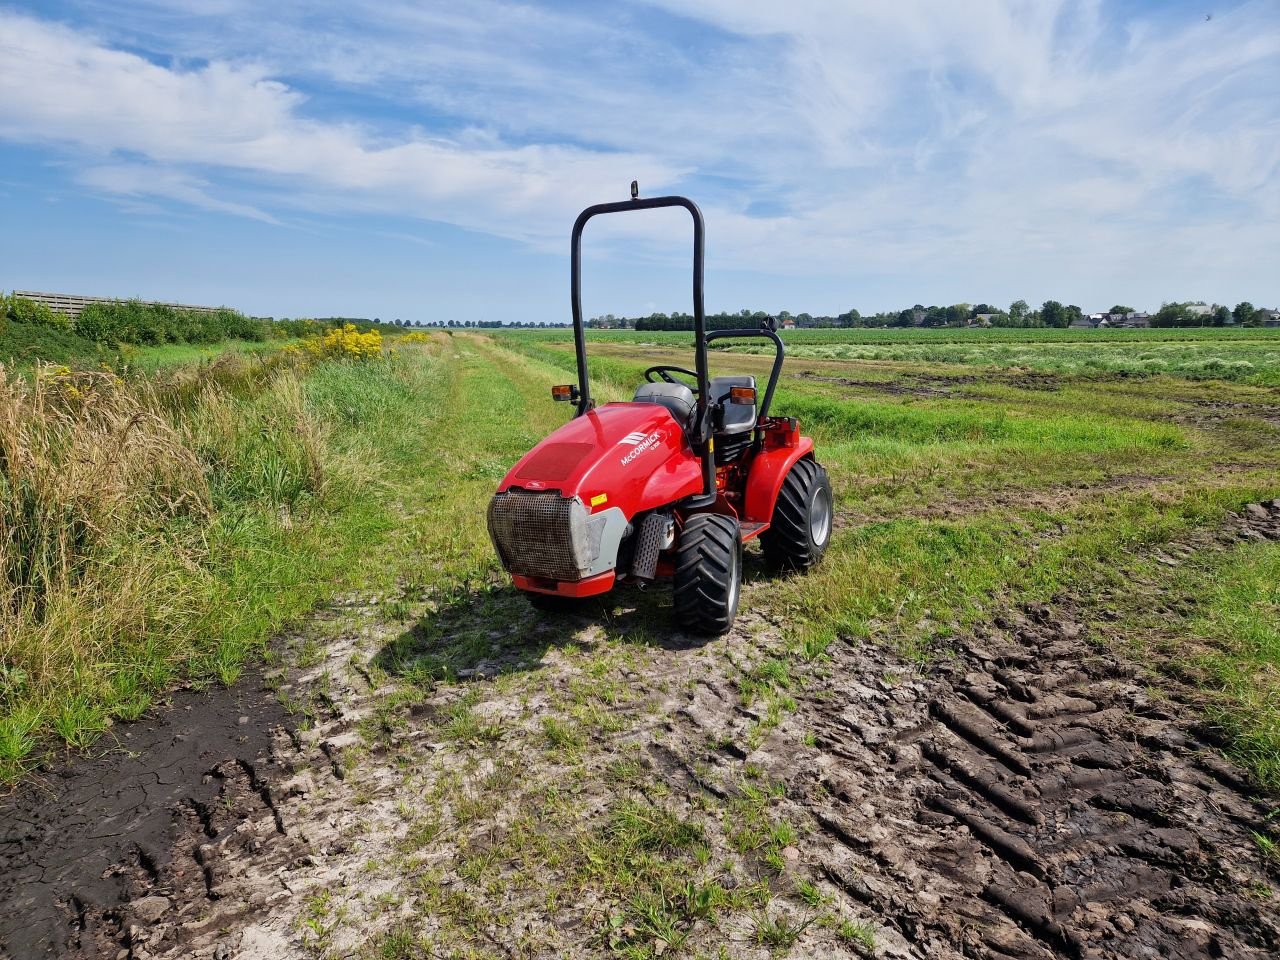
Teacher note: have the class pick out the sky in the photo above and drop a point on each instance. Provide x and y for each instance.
(425, 161)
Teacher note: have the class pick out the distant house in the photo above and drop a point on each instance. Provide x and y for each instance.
(788, 324)
(1269, 318)
(982, 319)
(1199, 309)
(1085, 323)
(1135, 319)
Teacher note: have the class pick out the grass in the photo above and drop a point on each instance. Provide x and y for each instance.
(1232, 621)
(171, 523)
(165, 526)
(1247, 355)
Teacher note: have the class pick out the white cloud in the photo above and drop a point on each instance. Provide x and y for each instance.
(995, 142)
(141, 180)
(58, 86)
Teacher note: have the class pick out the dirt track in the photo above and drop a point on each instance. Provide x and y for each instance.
(1033, 796)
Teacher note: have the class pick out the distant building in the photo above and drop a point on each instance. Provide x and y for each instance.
(788, 324)
(1135, 319)
(1086, 323)
(1199, 309)
(1269, 318)
(982, 319)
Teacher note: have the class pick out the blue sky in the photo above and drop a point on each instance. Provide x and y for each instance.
(426, 160)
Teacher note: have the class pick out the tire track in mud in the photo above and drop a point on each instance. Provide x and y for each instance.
(1034, 799)
(100, 857)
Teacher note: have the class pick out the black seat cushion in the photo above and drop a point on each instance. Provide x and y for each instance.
(676, 397)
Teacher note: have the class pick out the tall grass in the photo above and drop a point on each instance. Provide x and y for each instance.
(155, 527)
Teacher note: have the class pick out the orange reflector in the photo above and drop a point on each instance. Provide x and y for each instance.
(562, 392)
(743, 395)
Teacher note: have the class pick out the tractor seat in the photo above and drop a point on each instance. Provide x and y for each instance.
(737, 420)
(737, 417)
(676, 397)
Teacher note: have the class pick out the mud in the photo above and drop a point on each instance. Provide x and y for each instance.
(1039, 797)
(1215, 414)
(1040, 802)
(85, 843)
(1034, 795)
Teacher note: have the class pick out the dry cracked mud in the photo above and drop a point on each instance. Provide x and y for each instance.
(1035, 794)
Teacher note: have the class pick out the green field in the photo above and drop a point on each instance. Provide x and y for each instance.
(181, 522)
(963, 486)
(1249, 355)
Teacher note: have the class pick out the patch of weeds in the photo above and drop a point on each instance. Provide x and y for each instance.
(778, 931)
(317, 921)
(857, 933)
(623, 770)
(812, 643)
(562, 736)
(752, 832)
(658, 920)
(599, 717)
(464, 726)
(310, 654)
(1269, 848)
(80, 720)
(17, 741)
(655, 829)
(808, 891)
(702, 902)
(402, 943)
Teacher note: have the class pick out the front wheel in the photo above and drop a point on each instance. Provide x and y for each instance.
(708, 576)
(800, 529)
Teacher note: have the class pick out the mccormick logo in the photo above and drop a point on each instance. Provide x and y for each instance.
(639, 442)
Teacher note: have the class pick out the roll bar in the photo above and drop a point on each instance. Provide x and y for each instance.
(702, 434)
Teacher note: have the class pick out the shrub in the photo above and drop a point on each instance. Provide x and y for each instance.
(21, 310)
(132, 321)
(347, 342)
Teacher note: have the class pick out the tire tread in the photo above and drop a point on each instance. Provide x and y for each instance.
(704, 567)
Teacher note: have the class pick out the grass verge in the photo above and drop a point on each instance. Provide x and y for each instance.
(165, 526)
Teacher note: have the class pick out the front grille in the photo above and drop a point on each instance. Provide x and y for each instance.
(534, 534)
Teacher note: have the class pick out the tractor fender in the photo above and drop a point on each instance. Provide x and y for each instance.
(764, 481)
(679, 477)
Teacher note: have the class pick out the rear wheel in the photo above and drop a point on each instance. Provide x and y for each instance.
(800, 529)
(708, 576)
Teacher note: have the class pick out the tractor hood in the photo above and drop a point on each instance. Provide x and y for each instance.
(632, 456)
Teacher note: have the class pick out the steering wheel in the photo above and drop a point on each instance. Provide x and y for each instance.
(664, 371)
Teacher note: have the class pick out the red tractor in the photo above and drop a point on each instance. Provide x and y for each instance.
(668, 485)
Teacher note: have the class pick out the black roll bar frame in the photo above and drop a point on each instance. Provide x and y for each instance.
(702, 429)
